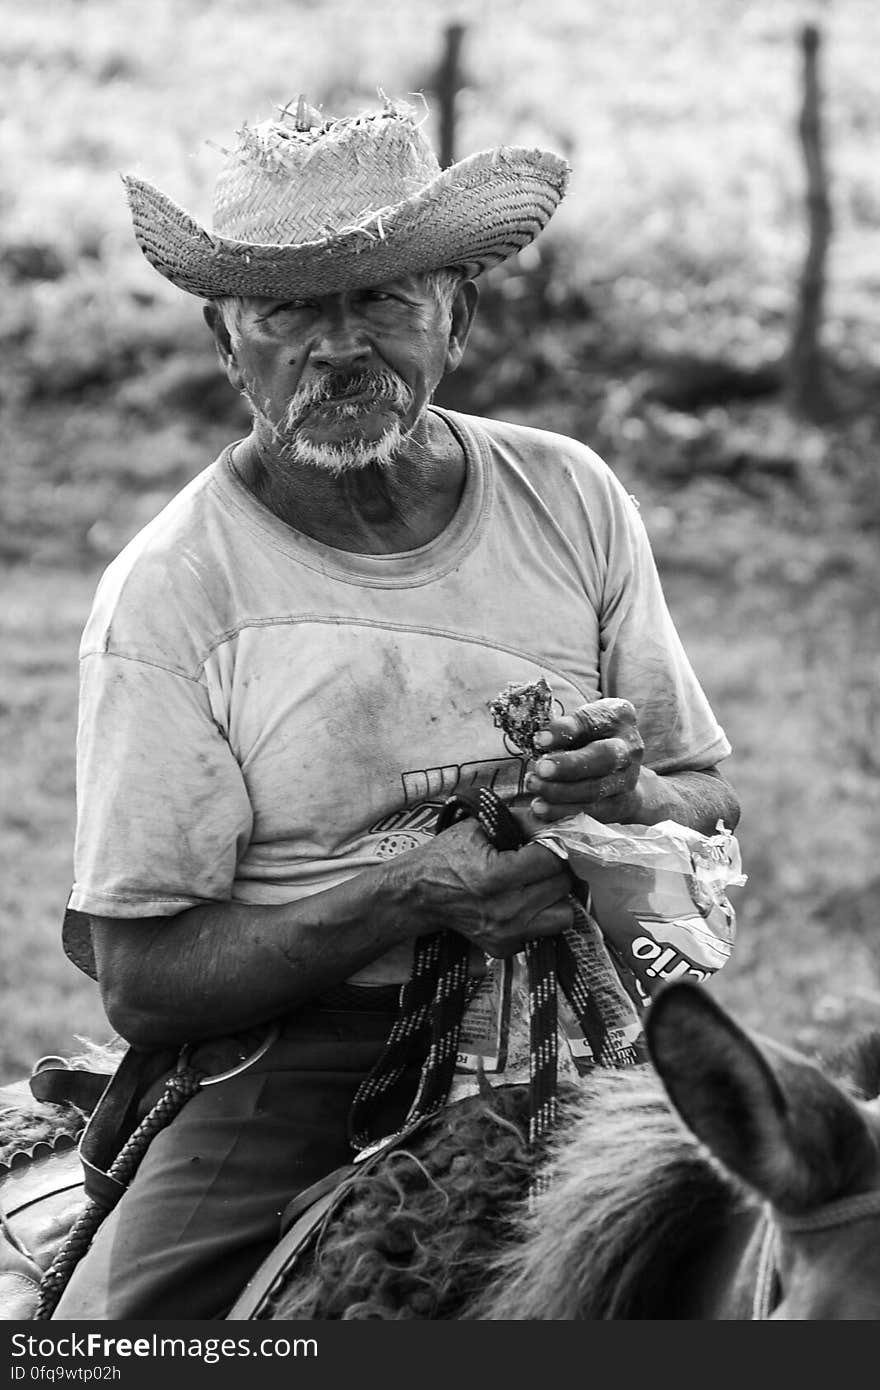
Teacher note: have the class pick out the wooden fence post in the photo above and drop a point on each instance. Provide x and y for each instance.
(446, 84)
(807, 384)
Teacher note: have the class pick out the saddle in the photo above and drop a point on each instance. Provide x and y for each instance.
(41, 1193)
(39, 1206)
(44, 1188)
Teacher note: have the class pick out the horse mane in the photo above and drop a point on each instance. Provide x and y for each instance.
(631, 1198)
(855, 1064)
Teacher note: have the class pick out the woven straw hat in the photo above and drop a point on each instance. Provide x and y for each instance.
(305, 205)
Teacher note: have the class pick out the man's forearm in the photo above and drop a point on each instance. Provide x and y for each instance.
(696, 799)
(223, 967)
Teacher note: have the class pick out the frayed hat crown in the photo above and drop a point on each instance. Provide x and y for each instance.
(309, 205)
(290, 183)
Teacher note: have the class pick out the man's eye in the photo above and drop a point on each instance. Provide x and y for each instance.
(290, 306)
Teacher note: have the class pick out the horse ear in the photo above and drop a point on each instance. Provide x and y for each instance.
(767, 1114)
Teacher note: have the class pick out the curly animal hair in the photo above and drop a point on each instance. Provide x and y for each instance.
(416, 1235)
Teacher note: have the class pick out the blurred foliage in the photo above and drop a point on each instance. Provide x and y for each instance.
(651, 320)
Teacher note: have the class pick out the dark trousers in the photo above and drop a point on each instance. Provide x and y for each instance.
(203, 1208)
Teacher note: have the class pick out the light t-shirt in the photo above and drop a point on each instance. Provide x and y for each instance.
(263, 716)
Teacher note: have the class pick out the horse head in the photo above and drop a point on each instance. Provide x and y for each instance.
(797, 1140)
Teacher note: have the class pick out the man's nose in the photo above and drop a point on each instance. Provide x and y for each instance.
(340, 343)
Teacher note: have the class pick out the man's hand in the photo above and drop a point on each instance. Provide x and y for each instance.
(589, 761)
(498, 900)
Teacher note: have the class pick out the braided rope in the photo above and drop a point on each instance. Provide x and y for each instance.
(440, 985)
(178, 1089)
(543, 1036)
(836, 1213)
(406, 1041)
(426, 1030)
(451, 998)
(435, 999)
(433, 1003)
(593, 993)
(839, 1212)
(543, 1047)
(766, 1290)
(766, 1293)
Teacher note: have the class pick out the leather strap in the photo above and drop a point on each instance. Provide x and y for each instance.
(115, 1117)
(69, 1086)
(277, 1267)
(311, 1195)
(301, 1223)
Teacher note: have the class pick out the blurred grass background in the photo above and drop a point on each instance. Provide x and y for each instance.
(651, 320)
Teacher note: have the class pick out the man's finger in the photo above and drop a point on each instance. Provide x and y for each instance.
(603, 759)
(533, 898)
(552, 920)
(531, 864)
(608, 810)
(588, 792)
(597, 720)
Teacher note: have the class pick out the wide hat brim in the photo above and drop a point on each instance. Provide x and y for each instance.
(473, 215)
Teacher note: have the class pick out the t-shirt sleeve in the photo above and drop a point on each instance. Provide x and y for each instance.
(642, 658)
(163, 812)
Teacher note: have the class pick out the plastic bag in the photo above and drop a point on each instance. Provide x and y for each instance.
(657, 893)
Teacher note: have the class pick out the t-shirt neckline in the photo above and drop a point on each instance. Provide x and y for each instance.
(426, 562)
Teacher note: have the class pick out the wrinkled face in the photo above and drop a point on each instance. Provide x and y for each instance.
(339, 381)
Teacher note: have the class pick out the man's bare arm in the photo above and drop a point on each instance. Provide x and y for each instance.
(222, 967)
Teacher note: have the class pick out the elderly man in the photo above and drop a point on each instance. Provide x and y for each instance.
(289, 670)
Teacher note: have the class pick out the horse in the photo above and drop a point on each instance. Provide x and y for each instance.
(732, 1178)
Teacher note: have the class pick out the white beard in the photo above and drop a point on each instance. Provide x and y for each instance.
(347, 456)
(295, 445)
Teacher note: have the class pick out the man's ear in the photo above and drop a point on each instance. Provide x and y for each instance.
(464, 307)
(223, 343)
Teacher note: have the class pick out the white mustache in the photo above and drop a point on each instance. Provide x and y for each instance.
(339, 389)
